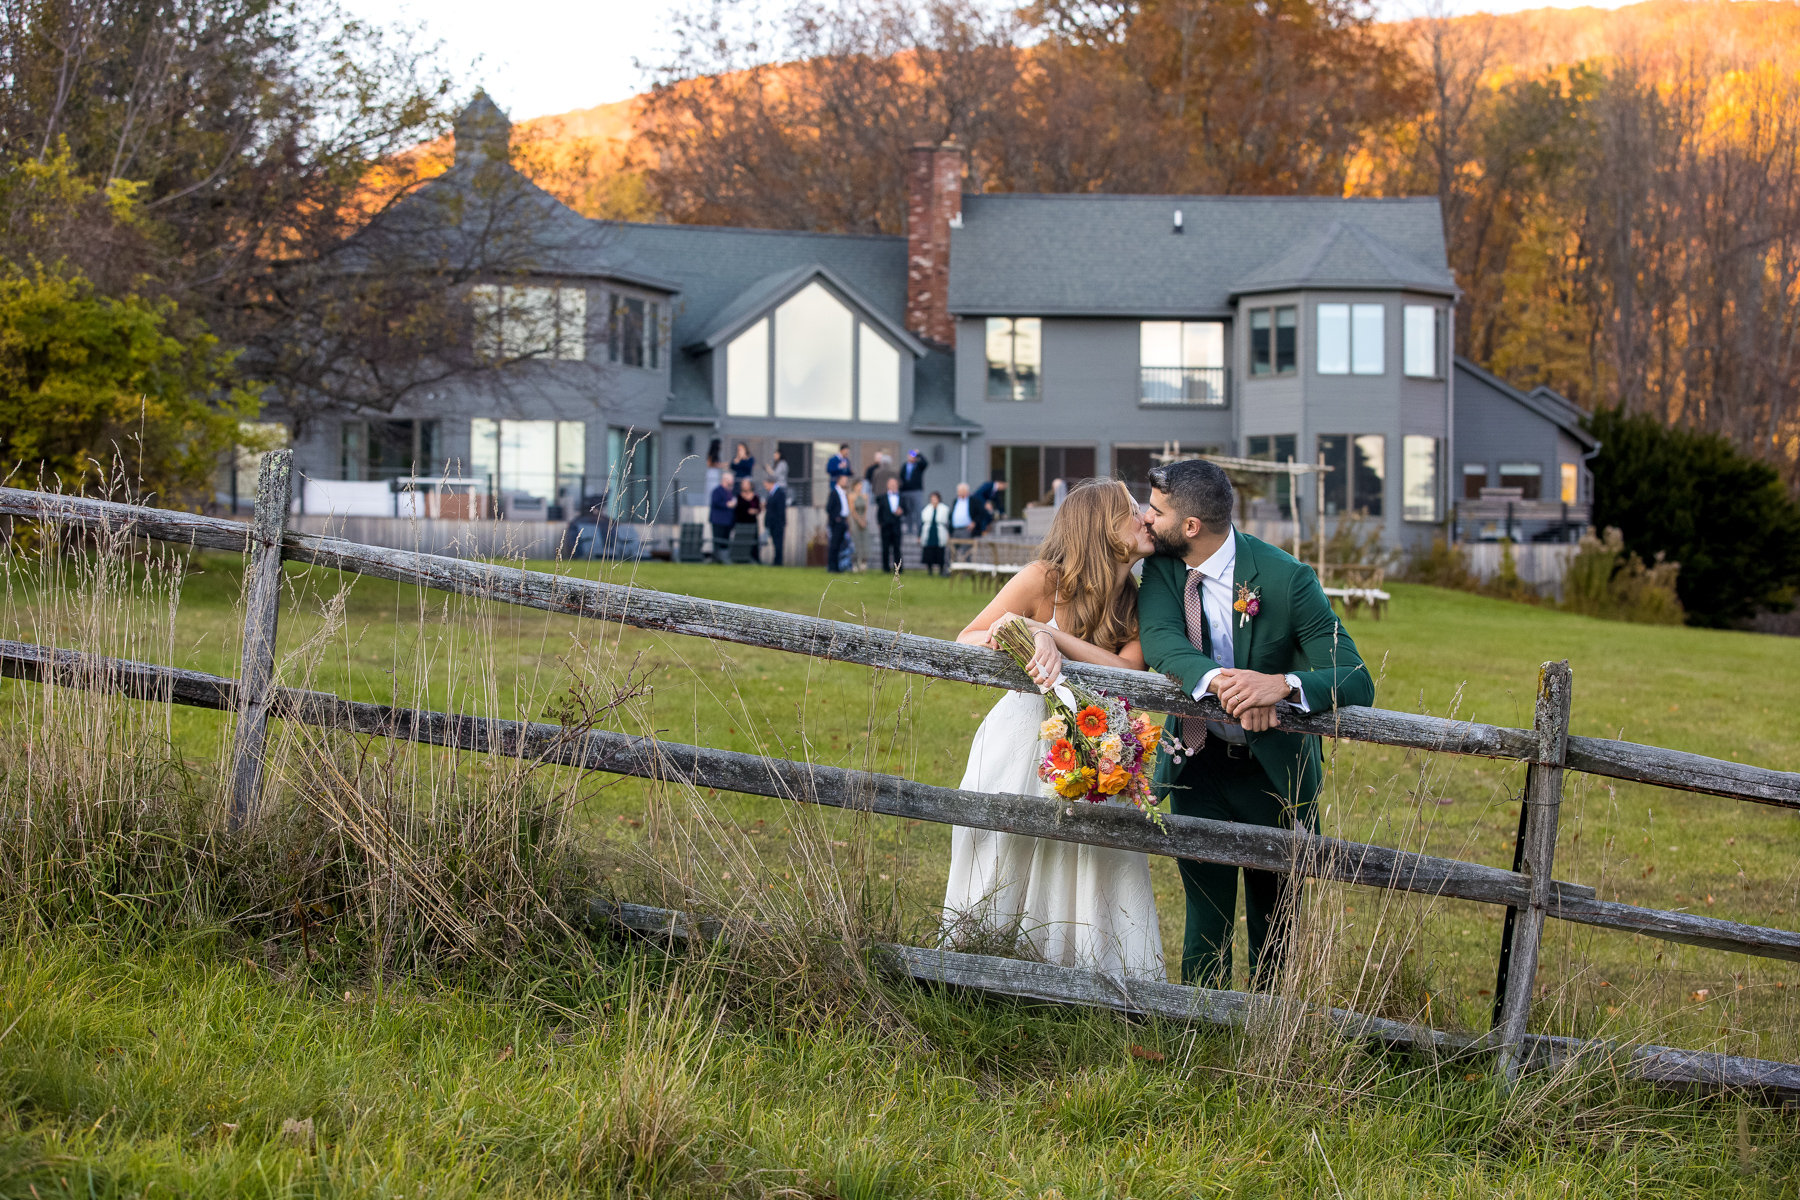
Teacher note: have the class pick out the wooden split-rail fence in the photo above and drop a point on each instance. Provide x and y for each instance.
(1530, 892)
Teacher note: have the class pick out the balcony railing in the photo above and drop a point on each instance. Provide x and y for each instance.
(1198, 387)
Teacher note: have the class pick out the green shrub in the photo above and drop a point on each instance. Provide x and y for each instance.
(1445, 565)
(1690, 498)
(1606, 580)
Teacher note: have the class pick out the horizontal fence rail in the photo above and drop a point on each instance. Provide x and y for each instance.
(844, 642)
(1176, 1002)
(1253, 846)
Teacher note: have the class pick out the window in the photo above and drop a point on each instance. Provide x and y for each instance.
(631, 475)
(1014, 357)
(529, 322)
(1474, 479)
(814, 334)
(1280, 448)
(1527, 477)
(634, 332)
(1274, 348)
(812, 358)
(877, 377)
(1181, 362)
(1418, 477)
(747, 372)
(530, 465)
(1420, 355)
(1350, 339)
(1031, 472)
(1132, 464)
(1571, 482)
(1355, 486)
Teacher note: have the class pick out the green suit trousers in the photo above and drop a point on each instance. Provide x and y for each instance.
(1220, 787)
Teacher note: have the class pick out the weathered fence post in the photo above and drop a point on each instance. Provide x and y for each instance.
(262, 607)
(1535, 855)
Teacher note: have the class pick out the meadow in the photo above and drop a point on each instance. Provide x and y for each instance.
(128, 1057)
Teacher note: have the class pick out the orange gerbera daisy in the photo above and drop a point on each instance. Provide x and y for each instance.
(1091, 721)
(1062, 754)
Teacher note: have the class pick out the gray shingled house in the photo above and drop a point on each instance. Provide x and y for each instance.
(1024, 336)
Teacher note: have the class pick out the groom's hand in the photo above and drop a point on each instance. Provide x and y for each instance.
(1250, 697)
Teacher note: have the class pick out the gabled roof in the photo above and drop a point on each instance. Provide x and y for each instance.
(755, 301)
(1545, 402)
(1118, 256)
(1345, 255)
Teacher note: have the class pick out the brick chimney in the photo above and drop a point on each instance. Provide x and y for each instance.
(933, 207)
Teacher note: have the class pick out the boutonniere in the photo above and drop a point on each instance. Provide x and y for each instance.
(1249, 603)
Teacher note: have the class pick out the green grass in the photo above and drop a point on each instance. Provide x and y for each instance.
(167, 1061)
(173, 1072)
(1731, 695)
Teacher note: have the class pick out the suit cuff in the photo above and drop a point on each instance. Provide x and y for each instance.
(1206, 682)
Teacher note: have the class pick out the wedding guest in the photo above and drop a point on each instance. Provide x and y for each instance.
(743, 467)
(723, 516)
(839, 463)
(934, 533)
(962, 514)
(890, 515)
(859, 524)
(912, 486)
(837, 519)
(988, 504)
(775, 512)
(745, 510)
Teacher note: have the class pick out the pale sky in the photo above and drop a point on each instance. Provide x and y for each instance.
(537, 57)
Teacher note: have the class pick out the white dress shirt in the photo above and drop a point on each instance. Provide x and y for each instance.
(893, 499)
(1218, 591)
(959, 516)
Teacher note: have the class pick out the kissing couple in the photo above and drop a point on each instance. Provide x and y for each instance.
(1219, 611)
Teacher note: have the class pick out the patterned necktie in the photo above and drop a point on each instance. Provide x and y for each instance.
(1193, 729)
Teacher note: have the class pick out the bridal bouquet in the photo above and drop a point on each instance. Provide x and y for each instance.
(1099, 748)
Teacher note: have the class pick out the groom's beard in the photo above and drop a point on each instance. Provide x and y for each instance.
(1173, 545)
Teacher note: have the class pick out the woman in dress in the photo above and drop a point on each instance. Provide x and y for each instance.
(743, 464)
(744, 510)
(1068, 904)
(934, 533)
(859, 524)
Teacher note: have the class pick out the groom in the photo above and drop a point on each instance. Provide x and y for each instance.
(1290, 647)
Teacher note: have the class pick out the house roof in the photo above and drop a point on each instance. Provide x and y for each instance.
(1100, 255)
(727, 275)
(1345, 255)
(756, 300)
(1547, 403)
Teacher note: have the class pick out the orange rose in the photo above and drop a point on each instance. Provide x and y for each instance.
(1062, 754)
(1091, 721)
(1113, 782)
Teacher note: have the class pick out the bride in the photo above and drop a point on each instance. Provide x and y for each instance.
(1068, 904)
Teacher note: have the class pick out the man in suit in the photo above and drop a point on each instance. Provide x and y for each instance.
(890, 515)
(838, 464)
(988, 504)
(775, 512)
(837, 519)
(1231, 615)
(962, 513)
(723, 516)
(912, 487)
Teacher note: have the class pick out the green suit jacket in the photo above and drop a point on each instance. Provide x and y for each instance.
(1294, 631)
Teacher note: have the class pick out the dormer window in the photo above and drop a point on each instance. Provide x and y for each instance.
(529, 322)
(634, 331)
(813, 358)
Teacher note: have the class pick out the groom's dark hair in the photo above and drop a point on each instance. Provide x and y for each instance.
(1199, 489)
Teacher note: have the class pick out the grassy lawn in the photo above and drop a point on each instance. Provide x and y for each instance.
(172, 1068)
(1730, 695)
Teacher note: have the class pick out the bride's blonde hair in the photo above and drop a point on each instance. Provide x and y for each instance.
(1082, 555)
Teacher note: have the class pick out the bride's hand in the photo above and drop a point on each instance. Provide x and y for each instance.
(993, 641)
(1046, 664)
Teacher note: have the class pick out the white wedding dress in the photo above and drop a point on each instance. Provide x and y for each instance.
(1074, 905)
